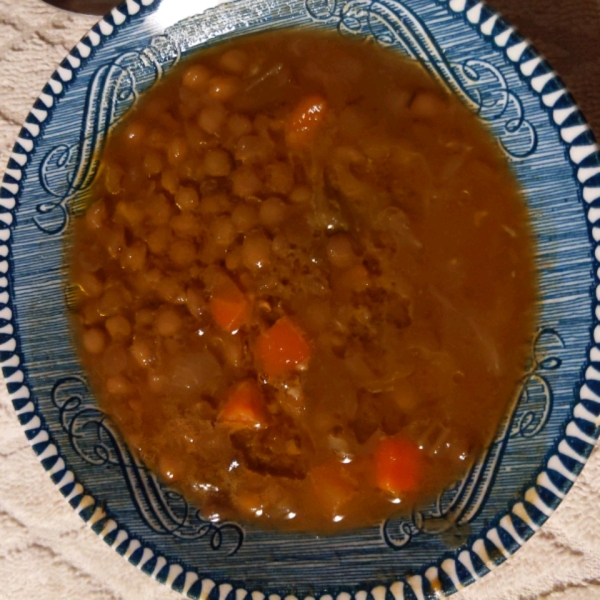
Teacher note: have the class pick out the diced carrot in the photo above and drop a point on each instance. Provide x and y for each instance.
(399, 465)
(305, 120)
(244, 406)
(229, 307)
(281, 348)
(333, 486)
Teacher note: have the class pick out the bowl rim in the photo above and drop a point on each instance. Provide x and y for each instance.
(581, 148)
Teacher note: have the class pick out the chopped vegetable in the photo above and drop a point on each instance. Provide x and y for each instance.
(244, 406)
(399, 465)
(281, 348)
(305, 120)
(229, 306)
(333, 485)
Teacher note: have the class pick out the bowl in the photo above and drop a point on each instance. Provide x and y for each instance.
(543, 441)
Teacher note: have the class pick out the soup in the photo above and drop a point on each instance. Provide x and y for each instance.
(306, 282)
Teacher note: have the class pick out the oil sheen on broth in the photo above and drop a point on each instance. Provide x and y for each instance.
(305, 282)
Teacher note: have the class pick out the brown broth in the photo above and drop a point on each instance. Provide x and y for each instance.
(306, 282)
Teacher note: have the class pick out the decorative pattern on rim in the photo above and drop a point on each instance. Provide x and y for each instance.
(514, 527)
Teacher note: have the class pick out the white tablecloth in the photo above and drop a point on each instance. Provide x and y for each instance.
(46, 551)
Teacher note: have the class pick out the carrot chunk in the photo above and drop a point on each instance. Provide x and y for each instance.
(305, 120)
(398, 466)
(229, 307)
(244, 406)
(281, 348)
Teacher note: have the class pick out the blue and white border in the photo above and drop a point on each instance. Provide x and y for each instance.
(513, 528)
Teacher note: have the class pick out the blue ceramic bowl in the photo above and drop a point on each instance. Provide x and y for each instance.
(545, 437)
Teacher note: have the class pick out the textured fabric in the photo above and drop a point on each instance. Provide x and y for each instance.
(47, 553)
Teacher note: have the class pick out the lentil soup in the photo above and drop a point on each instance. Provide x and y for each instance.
(305, 282)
